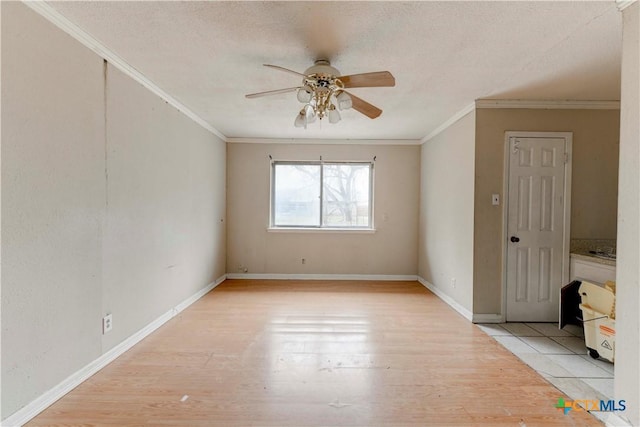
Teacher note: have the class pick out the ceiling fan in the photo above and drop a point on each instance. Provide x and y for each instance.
(323, 92)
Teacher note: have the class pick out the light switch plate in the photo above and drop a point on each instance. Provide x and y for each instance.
(495, 199)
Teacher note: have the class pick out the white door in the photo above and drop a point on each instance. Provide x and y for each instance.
(536, 215)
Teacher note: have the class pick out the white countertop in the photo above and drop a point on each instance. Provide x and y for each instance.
(585, 256)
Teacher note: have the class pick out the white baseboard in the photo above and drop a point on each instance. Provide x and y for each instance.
(446, 298)
(195, 297)
(33, 408)
(487, 318)
(276, 276)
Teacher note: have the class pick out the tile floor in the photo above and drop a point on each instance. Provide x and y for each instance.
(560, 356)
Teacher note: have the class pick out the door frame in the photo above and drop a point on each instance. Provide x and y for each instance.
(566, 214)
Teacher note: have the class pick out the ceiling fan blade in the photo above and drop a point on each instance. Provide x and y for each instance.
(286, 70)
(271, 92)
(364, 107)
(375, 79)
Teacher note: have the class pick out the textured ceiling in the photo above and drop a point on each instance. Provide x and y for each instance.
(444, 55)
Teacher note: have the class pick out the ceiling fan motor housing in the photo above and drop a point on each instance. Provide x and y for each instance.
(323, 70)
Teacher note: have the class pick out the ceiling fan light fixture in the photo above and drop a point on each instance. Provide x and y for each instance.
(334, 115)
(309, 113)
(304, 94)
(344, 101)
(301, 120)
(323, 92)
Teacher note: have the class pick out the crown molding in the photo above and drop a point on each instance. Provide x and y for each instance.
(60, 21)
(525, 104)
(623, 4)
(457, 116)
(311, 141)
(548, 104)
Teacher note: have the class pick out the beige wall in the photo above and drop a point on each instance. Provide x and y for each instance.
(111, 202)
(52, 205)
(391, 250)
(164, 234)
(445, 249)
(627, 368)
(594, 183)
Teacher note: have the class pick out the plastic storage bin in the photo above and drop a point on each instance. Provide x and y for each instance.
(598, 315)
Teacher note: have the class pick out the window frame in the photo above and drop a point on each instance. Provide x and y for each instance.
(321, 226)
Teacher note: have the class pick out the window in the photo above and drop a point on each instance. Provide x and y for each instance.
(321, 194)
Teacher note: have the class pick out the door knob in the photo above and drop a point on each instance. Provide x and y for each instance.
(515, 239)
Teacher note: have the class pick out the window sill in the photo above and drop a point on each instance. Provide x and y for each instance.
(321, 230)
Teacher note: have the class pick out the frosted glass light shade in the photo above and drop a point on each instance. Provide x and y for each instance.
(310, 113)
(303, 95)
(334, 116)
(301, 120)
(344, 101)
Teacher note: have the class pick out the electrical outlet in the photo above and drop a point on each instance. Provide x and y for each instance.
(304, 261)
(107, 323)
(453, 282)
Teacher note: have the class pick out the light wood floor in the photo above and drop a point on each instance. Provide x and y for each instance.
(289, 353)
